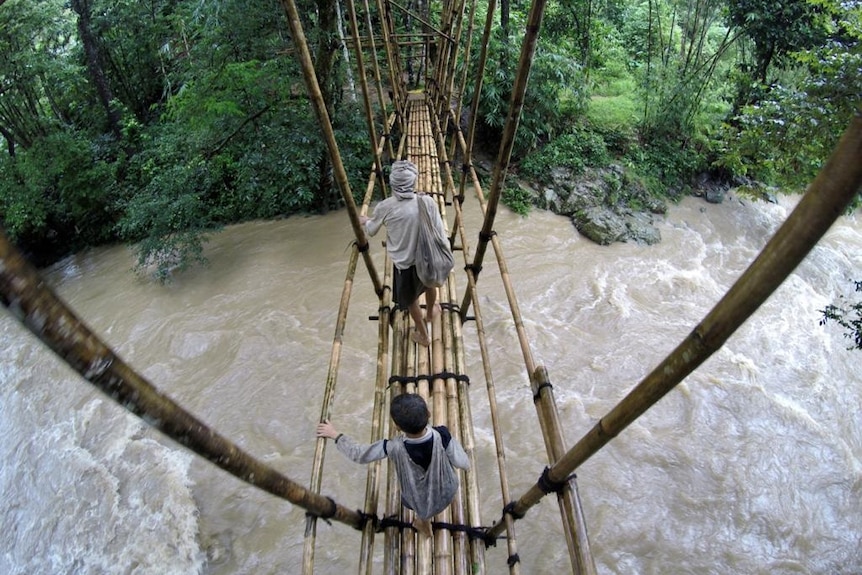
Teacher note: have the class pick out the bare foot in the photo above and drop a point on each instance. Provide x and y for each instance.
(418, 338)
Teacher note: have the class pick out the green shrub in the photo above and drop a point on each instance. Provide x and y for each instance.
(575, 151)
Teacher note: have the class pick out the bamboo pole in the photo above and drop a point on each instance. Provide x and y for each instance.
(378, 82)
(393, 64)
(378, 423)
(369, 112)
(511, 540)
(571, 511)
(422, 20)
(329, 391)
(456, 113)
(34, 304)
(528, 50)
(827, 198)
(329, 137)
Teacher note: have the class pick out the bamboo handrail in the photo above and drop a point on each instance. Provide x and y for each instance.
(329, 137)
(39, 309)
(827, 198)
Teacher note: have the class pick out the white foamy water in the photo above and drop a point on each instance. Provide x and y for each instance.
(752, 465)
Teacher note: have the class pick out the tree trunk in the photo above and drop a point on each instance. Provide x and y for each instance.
(325, 54)
(95, 66)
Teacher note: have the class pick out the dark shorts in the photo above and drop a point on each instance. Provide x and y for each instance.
(407, 287)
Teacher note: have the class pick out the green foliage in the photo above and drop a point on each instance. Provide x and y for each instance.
(169, 218)
(847, 315)
(57, 189)
(785, 137)
(517, 198)
(665, 166)
(556, 95)
(575, 150)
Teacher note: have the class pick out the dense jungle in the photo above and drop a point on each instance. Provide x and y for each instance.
(156, 123)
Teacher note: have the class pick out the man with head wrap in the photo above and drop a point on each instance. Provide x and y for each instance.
(400, 214)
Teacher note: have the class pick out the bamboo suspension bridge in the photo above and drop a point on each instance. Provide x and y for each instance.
(424, 127)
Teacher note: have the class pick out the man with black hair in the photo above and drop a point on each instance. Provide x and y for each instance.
(425, 457)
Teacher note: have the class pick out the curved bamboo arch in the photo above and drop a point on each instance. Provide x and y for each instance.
(438, 373)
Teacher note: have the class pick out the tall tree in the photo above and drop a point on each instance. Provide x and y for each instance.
(95, 64)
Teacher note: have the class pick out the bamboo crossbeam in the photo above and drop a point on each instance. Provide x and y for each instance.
(827, 198)
(323, 120)
(37, 307)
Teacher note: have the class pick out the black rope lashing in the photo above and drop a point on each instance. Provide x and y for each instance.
(365, 518)
(509, 509)
(393, 521)
(473, 533)
(402, 379)
(450, 306)
(538, 395)
(333, 509)
(473, 268)
(547, 486)
(513, 559)
(362, 249)
(487, 237)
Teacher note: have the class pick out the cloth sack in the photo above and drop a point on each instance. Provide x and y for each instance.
(434, 259)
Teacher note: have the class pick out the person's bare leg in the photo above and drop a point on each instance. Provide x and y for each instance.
(432, 308)
(421, 334)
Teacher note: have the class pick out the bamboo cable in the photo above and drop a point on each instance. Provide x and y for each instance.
(528, 50)
(526, 351)
(570, 507)
(436, 88)
(329, 137)
(827, 197)
(326, 407)
(369, 111)
(37, 307)
(514, 567)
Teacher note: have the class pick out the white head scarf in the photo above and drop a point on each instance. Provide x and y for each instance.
(402, 179)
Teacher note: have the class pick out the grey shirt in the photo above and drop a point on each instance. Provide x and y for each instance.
(425, 491)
